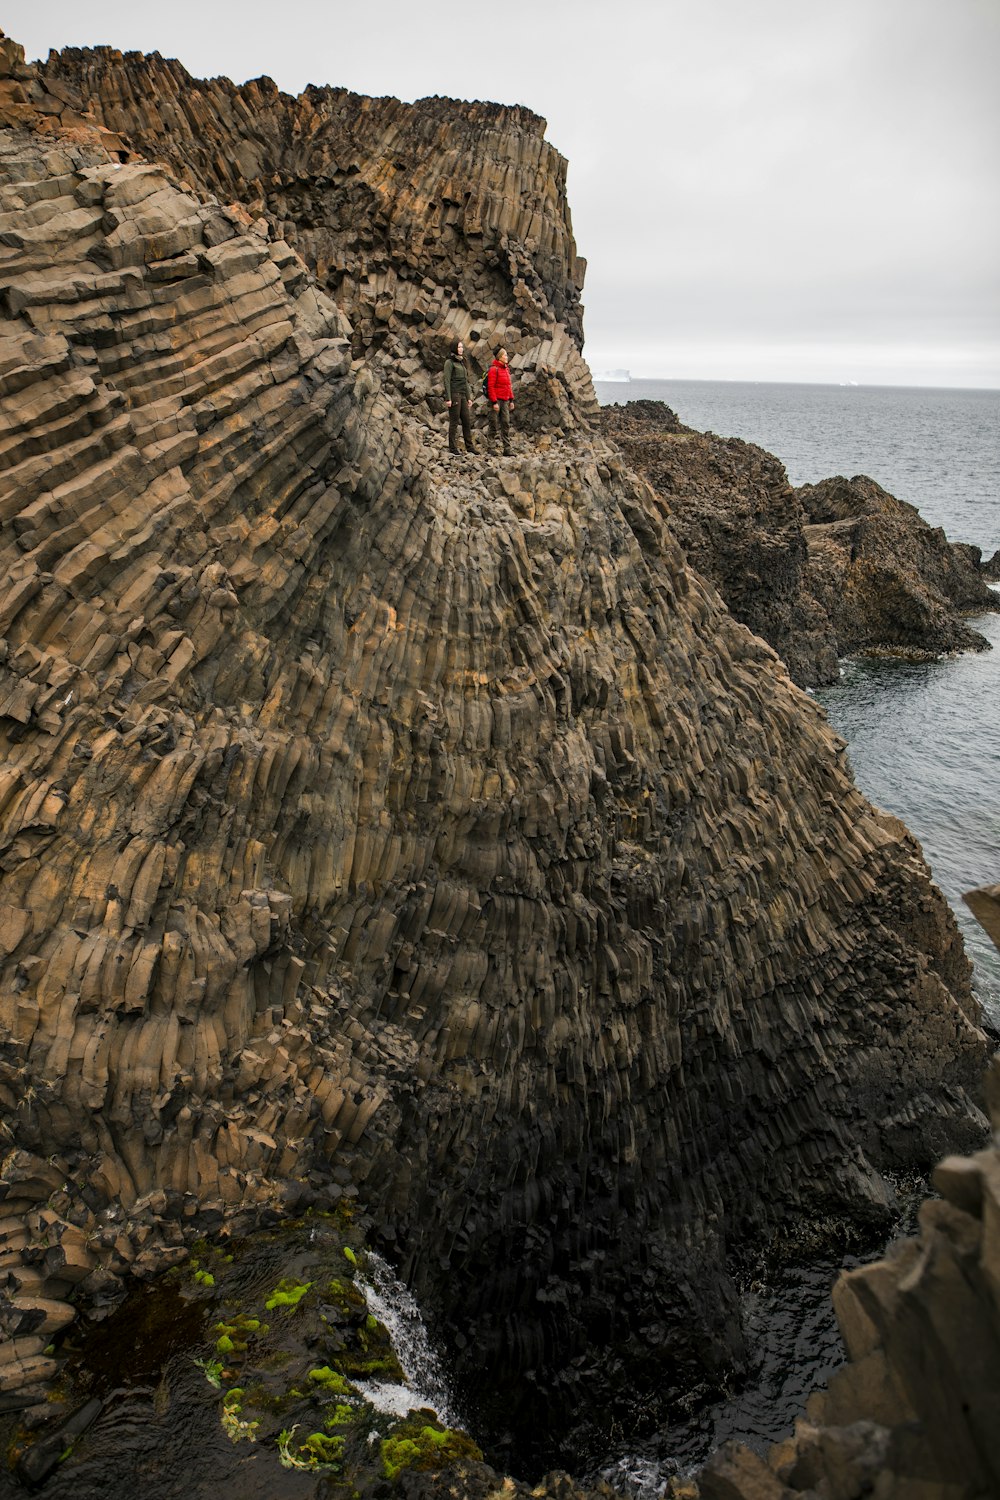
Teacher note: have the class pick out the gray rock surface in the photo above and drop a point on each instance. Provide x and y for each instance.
(915, 1412)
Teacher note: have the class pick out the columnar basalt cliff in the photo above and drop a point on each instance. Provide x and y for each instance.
(821, 571)
(437, 218)
(373, 823)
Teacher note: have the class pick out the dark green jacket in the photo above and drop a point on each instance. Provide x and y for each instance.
(457, 378)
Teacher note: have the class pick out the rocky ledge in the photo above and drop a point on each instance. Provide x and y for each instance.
(378, 824)
(822, 571)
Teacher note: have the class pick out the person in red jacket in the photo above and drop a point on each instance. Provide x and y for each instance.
(501, 398)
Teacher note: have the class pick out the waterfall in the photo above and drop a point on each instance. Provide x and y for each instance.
(426, 1384)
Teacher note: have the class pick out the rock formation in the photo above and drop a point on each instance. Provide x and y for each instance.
(384, 825)
(424, 222)
(887, 580)
(915, 1412)
(821, 571)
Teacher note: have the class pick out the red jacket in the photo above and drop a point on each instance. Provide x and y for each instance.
(498, 386)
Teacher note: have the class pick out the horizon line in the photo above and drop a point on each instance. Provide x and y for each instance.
(897, 385)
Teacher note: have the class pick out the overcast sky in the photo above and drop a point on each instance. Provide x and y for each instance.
(765, 190)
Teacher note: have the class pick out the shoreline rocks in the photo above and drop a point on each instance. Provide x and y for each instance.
(913, 1413)
(820, 572)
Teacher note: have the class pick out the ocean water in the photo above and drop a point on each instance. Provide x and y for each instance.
(923, 738)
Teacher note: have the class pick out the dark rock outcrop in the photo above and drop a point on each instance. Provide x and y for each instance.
(887, 580)
(819, 572)
(377, 823)
(730, 506)
(913, 1413)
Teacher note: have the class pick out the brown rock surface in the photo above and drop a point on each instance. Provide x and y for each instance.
(370, 822)
(889, 581)
(424, 222)
(819, 572)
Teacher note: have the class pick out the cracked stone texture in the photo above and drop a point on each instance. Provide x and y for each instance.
(914, 1414)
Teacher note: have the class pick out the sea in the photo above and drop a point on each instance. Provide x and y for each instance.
(924, 743)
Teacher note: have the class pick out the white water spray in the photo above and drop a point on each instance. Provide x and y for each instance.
(426, 1385)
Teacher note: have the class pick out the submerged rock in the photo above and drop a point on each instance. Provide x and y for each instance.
(381, 825)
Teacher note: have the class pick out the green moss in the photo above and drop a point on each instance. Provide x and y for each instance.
(234, 1334)
(325, 1449)
(287, 1293)
(205, 1278)
(341, 1416)
(350, 1255)
(345, 1296)
(317, 1452)
(365, 1365)
(420, 1446)
(331, 1380)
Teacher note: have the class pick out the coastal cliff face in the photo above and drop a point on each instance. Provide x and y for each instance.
(424, 222)
(378, 823)
(820, 572)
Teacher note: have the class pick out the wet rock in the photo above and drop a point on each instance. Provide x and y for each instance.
(55, 1443)
(914, 1410)
(889, 581)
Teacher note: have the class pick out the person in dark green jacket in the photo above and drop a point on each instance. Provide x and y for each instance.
(458, 398)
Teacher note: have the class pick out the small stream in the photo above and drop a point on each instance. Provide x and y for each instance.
(426, 1383)
(152, 1388)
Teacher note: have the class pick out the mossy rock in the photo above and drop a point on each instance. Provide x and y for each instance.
(425, 1446)
(282, 1332)
(287, 1294)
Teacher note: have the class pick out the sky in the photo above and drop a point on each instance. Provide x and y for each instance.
(766, 190)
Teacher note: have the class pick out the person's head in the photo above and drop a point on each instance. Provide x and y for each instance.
(459, 349)
(502, 356)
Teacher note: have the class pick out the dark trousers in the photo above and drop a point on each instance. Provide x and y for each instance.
(458, 411)
(500, 423)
